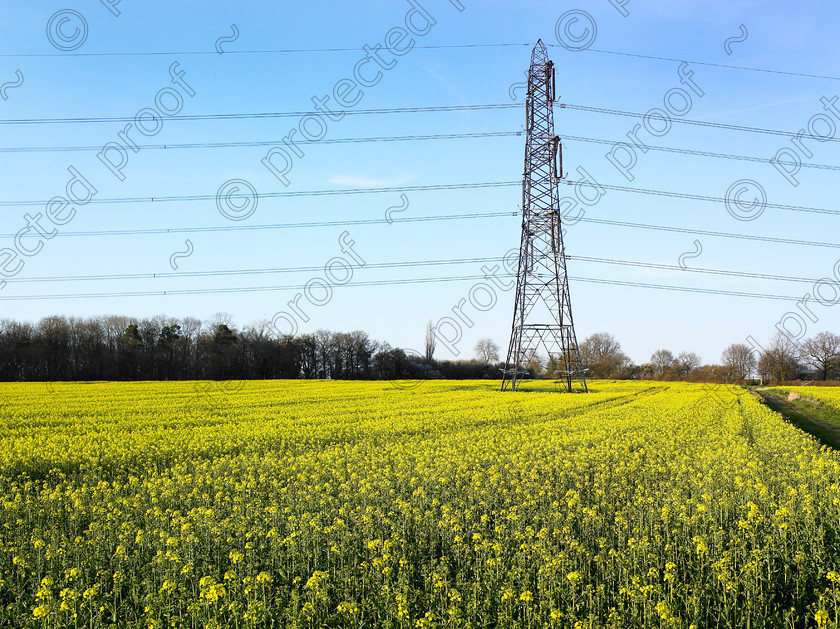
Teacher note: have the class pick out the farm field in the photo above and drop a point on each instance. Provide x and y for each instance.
(826, 396)
(445, 504)
(817, 404)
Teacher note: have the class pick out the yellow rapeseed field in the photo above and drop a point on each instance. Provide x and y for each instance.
(449, 504)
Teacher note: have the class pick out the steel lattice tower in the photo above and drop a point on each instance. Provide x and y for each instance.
(542, 314)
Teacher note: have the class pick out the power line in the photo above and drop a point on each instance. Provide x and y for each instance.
(696, 153)
(450, 108)
(225, 228)
(712, 65)
(423, 280)
(701, 232)
(701, 123)
(402, 110)
(277, 51)
(672, 267)
(421, 219)
(424, 188)
(235, 290)
(410, 138)
(297, 269)
(708, 291)
(269, 114)
(403, 264)
(249, 52)
(206, 145)
(695, 197)
(284, 195)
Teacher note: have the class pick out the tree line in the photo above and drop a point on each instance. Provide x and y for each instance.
(782, 359)
(168, 348)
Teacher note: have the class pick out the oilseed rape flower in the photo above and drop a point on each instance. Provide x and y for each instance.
(327, 503)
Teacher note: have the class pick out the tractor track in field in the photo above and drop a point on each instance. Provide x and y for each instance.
(615, 402)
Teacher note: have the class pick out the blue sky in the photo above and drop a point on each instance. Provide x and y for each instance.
(71, 79)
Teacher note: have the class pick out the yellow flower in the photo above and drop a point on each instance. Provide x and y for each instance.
(314, 582)
(40, 611)
(821, 617)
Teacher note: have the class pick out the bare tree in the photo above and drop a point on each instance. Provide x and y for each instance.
(534, 361)
(220, 318)
(191, 327)
(779, 361)
(190, 331)
(739, 361)
(662, 360)
(430, 340)
(487, 350)
(601, 354)
(325, 344)
(259, 330)
(687, 362)
(821, 352)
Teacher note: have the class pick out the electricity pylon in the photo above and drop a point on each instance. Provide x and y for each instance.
(542, 313)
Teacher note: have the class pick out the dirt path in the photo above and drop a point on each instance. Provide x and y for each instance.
(828, 434)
